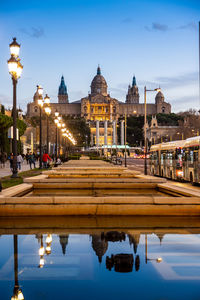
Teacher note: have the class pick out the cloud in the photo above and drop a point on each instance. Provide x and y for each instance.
(184, 103)
(189, 26)
(33, 32)
(177, 81)
(5, 100)
(127, 20)
(157, 27)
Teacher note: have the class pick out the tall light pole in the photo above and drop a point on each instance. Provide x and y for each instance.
(125, 138)
(145, 128)
(48, 112)
(56, 146)
(40, 103)
(15, 70)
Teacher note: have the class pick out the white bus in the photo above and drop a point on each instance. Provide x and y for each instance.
(191, 160)
(167, 160)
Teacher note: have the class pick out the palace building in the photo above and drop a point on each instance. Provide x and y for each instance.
(101, 111)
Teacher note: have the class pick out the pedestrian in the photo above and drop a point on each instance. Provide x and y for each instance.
(11, 161)
(3, 159)
(27, 158)
(45, 159)
(31, 160)
(19, 161)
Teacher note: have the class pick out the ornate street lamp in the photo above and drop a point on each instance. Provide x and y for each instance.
(145, 128)
(15, 69)
(56, 122)
(48, 112)
(40, 103)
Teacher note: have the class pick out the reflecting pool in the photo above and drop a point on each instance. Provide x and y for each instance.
(128, 263)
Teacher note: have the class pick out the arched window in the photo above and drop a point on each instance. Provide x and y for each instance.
(35, 109)
(163, 109)
(85, 109)
(114, 109)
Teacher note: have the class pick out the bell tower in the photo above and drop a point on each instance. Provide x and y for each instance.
(62, 92)
(133, 93)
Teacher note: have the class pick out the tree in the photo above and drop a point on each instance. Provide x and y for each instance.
(79, 129)
(5, 124)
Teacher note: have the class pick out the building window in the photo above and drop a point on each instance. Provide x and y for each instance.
(92, 110)
(163, 110)
(114, 109)
(85, 109)
(35, 109)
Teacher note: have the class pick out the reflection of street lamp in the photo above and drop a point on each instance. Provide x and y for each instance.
(41, 254)
(48, 242)
(17, 293)
(145, 129)
(15, 70)
(158, 260)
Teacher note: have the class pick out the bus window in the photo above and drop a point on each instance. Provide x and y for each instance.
(191, 157)
(161, 159)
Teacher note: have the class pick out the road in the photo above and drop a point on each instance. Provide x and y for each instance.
(138, 165)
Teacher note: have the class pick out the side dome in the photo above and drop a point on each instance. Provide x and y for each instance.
(159, 98)
(99, 85)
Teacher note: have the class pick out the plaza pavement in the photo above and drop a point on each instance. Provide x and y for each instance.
(6, 171)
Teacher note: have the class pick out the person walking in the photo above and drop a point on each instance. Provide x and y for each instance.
(19, 161)
(3, 159)
(45, 159)
(31, 160)
(11, 161)
(27, 158)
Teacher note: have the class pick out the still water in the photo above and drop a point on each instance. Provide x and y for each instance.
(101, 265)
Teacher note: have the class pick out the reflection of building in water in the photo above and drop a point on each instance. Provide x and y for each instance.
(122, 263)
(134, 239)
(160, 236)
(39, 237)
(63, 241)
(99, 246)
(137, 263)
(113, 236)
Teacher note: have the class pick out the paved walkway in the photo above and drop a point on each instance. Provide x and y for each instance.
(6, 171)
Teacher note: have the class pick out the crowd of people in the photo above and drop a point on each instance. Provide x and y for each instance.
(31, 159)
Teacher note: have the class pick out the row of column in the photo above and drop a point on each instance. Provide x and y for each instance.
(106, 132)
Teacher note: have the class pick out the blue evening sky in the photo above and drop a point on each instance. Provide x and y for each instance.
(155, 40)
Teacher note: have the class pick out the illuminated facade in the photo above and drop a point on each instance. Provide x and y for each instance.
(101, 110)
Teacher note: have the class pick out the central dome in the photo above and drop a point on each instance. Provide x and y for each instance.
(99, 85)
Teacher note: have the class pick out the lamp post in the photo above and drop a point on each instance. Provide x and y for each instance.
(125, 140)
(15, 70)
(48, 112)
(56, 146)
(145, 128)
(40, 103)
(59, 125)
(17, 293)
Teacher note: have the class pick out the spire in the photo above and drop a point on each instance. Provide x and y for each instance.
(134, 81)
(98, 70)
(62, 88)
